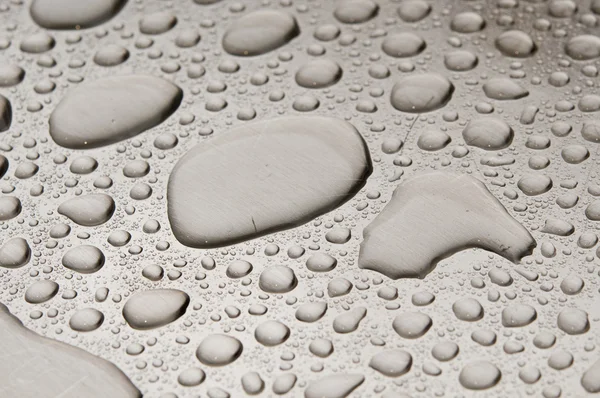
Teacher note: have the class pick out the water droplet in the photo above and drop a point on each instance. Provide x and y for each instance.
(266, 198)
(259, 32)
(442, 200)
(88, 210)
(479, 375)
(152, 309)
(421, 93)
(219, 350)
(116, 108)
(73, 14)
(392, 363)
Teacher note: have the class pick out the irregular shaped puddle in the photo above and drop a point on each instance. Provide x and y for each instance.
(49, 368)
(433, 216)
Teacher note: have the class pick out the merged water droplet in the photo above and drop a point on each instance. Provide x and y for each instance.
(349, 321)
(438, 203)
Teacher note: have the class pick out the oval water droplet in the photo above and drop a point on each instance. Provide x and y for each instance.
(266, 196)
(421, 93)
(115, 108)
(259, 32)
(73, 14)
(152, 309)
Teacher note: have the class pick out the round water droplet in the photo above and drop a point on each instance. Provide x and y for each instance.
(518, 315)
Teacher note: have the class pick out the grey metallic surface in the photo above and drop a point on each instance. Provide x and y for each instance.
(108, 99)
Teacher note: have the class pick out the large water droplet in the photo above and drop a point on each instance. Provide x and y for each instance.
(479, 375)
(434, 205)
(88, 210)
(14, 253)
(488, 133)
(260, 32)
(421, 93)
(267, 170)
(73, 14)
(219, 350)
(152, 309)
(334, 386)
(516, 43)
(64, 367)
(112, 109)
(392, 363)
